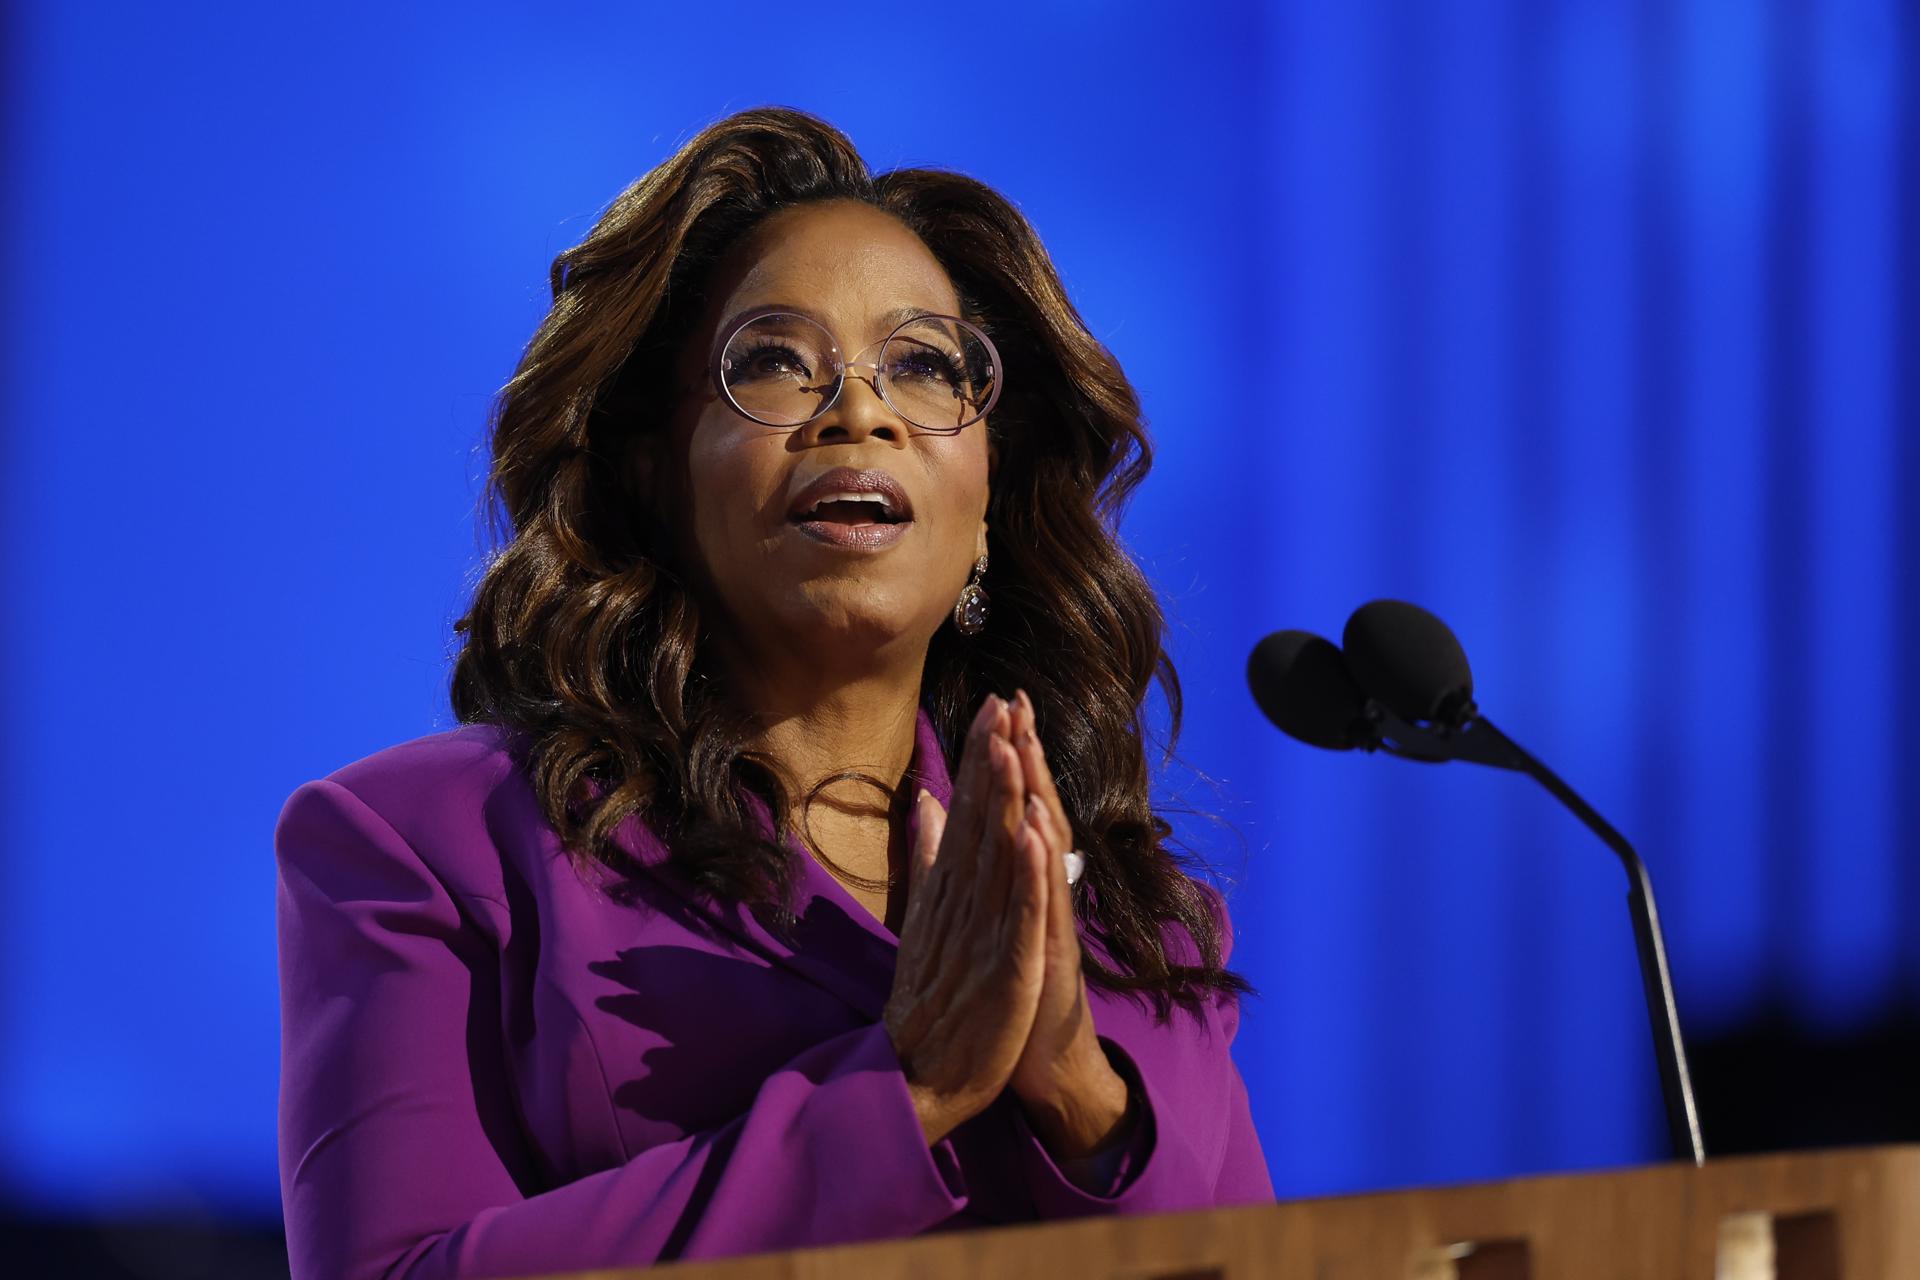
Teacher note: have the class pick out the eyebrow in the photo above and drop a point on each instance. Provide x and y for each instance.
(888, 319)
(895, 316)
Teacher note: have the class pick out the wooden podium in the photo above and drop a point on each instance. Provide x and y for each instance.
(1846, 1214)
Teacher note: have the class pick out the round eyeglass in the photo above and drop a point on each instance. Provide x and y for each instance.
(783, 369)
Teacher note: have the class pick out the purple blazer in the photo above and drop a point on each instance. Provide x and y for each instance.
(491, 1067)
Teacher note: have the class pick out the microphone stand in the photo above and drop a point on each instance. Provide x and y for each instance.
(1474, 738)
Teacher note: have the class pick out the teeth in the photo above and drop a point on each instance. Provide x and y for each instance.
(878, 499)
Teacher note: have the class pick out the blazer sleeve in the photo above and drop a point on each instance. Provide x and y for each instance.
(1164, 1169)
(400, 1148)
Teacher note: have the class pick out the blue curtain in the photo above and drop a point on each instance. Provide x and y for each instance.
(1590, 326)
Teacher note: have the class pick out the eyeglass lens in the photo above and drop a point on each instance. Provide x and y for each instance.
(935, 371)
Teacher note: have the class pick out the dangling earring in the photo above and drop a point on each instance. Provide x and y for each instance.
(970, 610)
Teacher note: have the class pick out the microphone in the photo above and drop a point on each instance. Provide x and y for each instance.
(1410, 661)
(1403, 686)
(1302, 684)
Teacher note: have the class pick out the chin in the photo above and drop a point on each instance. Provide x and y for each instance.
(860, 620)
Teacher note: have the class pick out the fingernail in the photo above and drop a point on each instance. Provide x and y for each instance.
(924, 796)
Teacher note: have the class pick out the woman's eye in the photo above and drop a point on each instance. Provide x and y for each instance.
(926, 364)
(770, 361)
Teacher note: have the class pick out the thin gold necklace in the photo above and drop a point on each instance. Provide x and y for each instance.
(848, 877)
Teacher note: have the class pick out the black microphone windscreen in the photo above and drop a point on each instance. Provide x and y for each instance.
(1302, 684)
(1409, 660)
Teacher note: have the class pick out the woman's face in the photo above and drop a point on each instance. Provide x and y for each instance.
(832, 590)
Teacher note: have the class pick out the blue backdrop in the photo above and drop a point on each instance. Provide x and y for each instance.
(1590, 325)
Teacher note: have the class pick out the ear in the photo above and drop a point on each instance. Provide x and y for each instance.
(980, 543)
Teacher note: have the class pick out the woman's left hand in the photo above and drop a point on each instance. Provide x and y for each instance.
(1072, 1095)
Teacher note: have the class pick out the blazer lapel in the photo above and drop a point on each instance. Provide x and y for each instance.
(836, 942)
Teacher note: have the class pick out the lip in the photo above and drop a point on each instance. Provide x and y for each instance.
(852, 480)
(852, 537)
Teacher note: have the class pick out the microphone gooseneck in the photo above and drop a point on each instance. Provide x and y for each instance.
(1403, 686)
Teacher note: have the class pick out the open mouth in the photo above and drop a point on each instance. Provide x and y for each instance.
(855, 509)
(851, 510)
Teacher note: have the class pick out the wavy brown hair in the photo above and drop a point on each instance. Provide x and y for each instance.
(585, 639)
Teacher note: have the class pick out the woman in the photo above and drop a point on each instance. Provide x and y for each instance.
(737, 916)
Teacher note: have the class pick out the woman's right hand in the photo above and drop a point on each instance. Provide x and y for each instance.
(973, 944)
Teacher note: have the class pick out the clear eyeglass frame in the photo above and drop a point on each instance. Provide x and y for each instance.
(877, 378)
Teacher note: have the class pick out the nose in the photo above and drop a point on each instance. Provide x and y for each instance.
(857, 412)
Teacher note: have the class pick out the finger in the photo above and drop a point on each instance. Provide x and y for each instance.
(970, 787)
(973, 873)
(1026, 740)
(946, 877)
(931, 821)
(1060, 928)
(1026, 918)
(983, 896)
(1039, 827)
(1039, 776)
(1041, 821)
(1006, 814)
(925, 922)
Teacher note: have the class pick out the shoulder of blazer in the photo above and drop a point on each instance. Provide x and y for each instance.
(452, 796)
